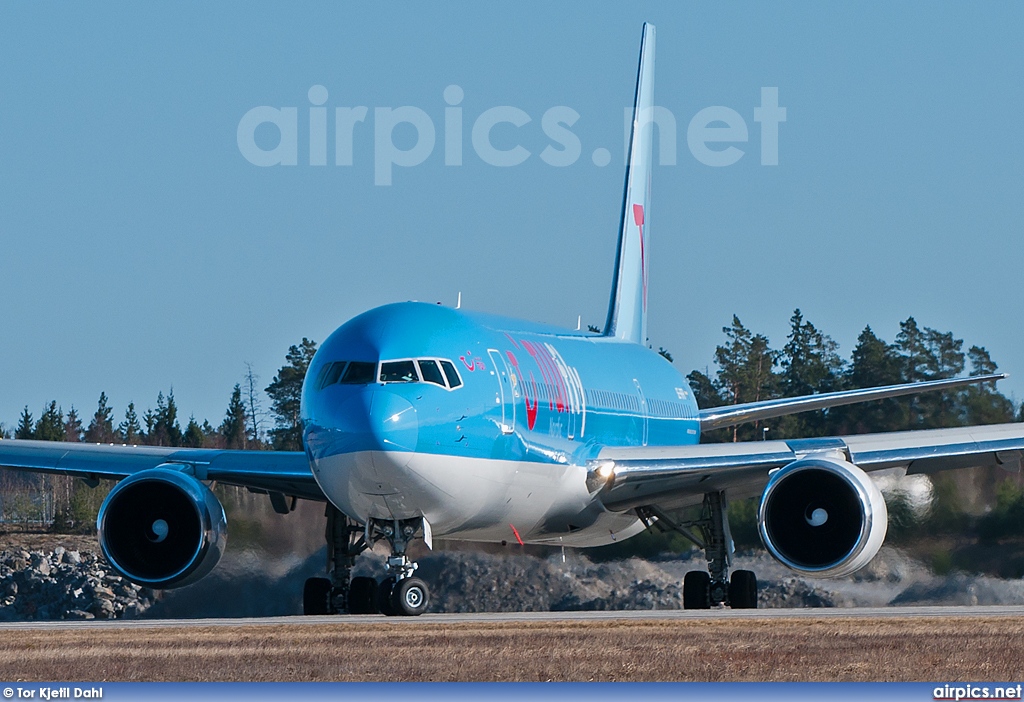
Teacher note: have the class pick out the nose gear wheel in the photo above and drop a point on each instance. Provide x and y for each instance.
(400, 593)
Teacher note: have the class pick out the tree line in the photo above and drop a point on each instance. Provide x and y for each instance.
(748, 369)
(243, 425)
(63, 504)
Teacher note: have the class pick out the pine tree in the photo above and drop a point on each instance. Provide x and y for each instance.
(286, 395)
(50, 426)
(746, 370)
(73, 426)
(704, 390)
(101, 428)
(149, 420)
(982, 363)
(234, 424)
(946, 360)
(162, 428)
(945, 354)
(193, 437)
(745, 365)
(26, 426)
(169, 421)
(913, 346)
(130, 431)
(983, 404)
(210, 433)
(810, 364)
(872, 363)
(930, 355)
(810, 360)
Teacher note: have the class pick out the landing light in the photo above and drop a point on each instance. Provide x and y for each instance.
(600, 475)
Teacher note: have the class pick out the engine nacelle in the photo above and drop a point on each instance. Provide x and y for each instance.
(822, 517)
(162, 528)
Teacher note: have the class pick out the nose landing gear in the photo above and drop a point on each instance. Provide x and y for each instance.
(400, 593)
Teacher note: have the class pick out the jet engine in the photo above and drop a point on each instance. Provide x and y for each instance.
(822, 517)
(162, 528)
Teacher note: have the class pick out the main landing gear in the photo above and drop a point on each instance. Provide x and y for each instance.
(703, 590)
(400, 593)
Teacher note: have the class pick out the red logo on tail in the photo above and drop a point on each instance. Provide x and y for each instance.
(638, 217)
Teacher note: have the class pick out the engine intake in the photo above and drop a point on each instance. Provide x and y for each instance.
(822, 517)
(162, 528)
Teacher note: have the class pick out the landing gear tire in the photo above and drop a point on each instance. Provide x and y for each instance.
(696, 590)
(384, 590)
(316, 596)
(362, 596)
(743, 590)
(410, 597)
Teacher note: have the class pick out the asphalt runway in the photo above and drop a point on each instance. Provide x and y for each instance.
(880, 613)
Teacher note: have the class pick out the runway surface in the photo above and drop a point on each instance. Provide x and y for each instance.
(907, 643)
(880, 613)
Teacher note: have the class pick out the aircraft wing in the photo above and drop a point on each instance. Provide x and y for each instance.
(677, 476)
(730, 415)
(284, 472)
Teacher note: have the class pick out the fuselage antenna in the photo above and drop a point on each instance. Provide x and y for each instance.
(458, 303)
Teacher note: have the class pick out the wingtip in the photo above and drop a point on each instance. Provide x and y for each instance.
(991, 376)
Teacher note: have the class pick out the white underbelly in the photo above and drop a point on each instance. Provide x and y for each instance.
(473, 499)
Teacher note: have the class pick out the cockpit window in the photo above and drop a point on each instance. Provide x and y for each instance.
(398, 372)
(347, 373)
(331, 373)
(436, 371)
(451, 374)
(359, 373)
(324, 370)
(431, 373)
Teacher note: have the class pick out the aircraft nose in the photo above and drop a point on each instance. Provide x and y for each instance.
(374, 419)
(392, 421)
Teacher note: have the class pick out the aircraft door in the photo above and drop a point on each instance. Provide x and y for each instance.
(508, 390)
(643, 410)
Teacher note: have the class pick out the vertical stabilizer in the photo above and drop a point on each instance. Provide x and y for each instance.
(627, 312)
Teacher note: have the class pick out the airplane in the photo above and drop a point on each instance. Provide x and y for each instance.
(422, 421)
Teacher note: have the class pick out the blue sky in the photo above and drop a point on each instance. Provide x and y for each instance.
(140, 249)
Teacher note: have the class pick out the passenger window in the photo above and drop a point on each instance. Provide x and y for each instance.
(359, 373)
(431, 373)
(398, 372)
(451, 374)
(334, 372)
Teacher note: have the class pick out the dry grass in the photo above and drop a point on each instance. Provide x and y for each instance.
(951, 649)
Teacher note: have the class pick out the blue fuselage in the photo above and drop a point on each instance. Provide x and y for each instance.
(392, 431)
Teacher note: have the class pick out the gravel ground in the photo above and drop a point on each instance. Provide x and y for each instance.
(249, 582)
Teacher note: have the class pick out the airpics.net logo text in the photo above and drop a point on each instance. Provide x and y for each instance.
(713, 135)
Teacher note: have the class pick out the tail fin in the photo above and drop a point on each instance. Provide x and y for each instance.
(627, 312)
